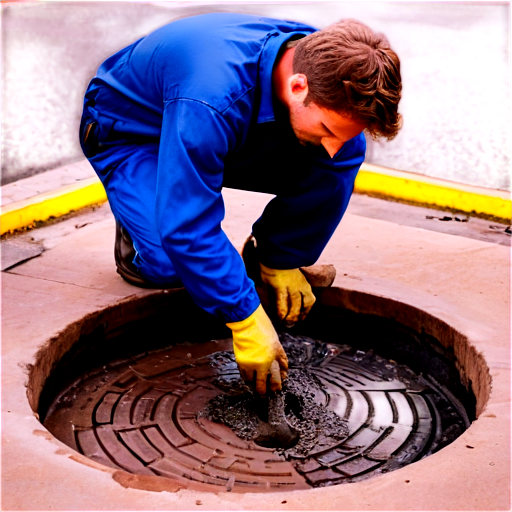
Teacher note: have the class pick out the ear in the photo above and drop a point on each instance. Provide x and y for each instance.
(299, 86)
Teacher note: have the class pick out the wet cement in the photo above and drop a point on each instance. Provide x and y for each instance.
(291, 420)
(315, 427)
(257, 419)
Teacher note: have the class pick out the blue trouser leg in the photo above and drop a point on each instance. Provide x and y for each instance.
(131, 192)
(128, 173)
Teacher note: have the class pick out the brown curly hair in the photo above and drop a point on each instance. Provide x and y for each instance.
(352, 70)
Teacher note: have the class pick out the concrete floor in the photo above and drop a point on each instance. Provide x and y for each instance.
(463, 281)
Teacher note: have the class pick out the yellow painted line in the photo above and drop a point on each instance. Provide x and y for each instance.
(441, 194)
(22, 214)
(371, 180)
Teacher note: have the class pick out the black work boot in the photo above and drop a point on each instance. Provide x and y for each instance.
(124, 253)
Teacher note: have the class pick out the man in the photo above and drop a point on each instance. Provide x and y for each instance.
(249, 103)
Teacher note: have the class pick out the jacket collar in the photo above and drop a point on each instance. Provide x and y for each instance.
(269, 54)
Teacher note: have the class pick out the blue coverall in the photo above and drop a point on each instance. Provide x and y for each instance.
(187, 110)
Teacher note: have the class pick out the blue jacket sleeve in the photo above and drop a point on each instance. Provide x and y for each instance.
(189, 209)
(297, 225)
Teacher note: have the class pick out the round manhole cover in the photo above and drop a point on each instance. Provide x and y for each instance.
(148, 415)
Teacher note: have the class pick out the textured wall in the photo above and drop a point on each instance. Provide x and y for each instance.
(455, 65)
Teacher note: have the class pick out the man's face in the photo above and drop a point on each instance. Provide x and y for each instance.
(321, 127)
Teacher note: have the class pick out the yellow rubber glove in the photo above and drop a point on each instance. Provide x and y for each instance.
(294, 296)
(259, 352)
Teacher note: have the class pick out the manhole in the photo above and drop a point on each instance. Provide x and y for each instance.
(142, 410)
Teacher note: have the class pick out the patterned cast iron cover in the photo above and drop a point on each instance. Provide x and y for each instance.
(144, 416)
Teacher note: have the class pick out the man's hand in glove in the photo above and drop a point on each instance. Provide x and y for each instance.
(294, 297)
(258, 351)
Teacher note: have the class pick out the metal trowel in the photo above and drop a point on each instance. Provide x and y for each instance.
(273, 429)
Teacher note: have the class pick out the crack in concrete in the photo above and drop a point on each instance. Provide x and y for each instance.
(61, 282)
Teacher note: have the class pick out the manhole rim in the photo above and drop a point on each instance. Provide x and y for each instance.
(139, 307)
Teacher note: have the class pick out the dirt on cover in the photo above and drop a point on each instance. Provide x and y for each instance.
(290, 420)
